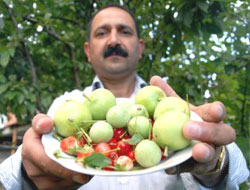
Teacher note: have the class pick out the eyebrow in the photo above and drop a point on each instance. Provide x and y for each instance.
(119, 26)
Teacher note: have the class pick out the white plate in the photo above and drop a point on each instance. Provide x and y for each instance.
(51, 145)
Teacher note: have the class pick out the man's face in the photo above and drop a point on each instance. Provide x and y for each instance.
(114, 47)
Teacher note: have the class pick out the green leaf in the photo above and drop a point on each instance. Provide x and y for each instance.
(20, 98)
(97, 160)
(135, 139)
(1, 23)
(3, 87)
(4, 59)
(203, 6)
(188, 18)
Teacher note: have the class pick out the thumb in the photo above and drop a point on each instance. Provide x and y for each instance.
(42, 124)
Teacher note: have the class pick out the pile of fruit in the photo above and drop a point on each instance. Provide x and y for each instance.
(102, 134)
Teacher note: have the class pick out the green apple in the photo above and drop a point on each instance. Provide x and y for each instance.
(171, 103)
(99, 102)
(70, 116)
(167, 130)
(101, 131)
(149, 96)
(140, 125)
(147, 153)
(118, 116)
(138, 109)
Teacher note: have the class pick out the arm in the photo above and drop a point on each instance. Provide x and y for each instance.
(10, 171)
(42, 171)
(212, 134)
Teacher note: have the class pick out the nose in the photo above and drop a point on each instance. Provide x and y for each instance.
(113, 38)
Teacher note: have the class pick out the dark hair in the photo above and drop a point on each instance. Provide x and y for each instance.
(116, 6)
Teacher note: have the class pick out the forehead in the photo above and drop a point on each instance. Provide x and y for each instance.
(112, 16)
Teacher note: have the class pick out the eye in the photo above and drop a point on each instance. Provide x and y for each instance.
(101, 33)
(126, 32)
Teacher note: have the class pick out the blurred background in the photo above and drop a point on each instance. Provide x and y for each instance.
(200, 47)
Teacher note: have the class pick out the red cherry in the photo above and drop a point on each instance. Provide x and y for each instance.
(131, 155)
(113, 143)
(118, 132)
(113, 156)
(124, 148)
(81, 141)
(103, 148)
(152, 122)
(126, 137)
(112, 163)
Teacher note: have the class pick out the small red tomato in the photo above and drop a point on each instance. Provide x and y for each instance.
(83, 154)
(67, 143)
(118, 133)
(103, 148)
(85, 151)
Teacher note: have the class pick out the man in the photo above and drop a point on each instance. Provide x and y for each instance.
(114, 50)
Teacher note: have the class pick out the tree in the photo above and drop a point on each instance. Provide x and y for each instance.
(201, 47)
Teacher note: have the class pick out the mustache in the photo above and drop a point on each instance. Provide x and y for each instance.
(115, 50)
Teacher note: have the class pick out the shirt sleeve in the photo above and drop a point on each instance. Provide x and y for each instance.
(10, 171)
(237, 171)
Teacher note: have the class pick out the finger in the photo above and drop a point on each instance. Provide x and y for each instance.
(204, 159)
(212, 133)
(55, 183)
(214, 112)
(158, 81)
(203, 152)
(35, 161)
(42, 124)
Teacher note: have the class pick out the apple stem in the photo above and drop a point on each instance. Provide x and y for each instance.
(91, 121)
(189, 114)
(85, 96)
(86, 136)
(165, 153)
(57, 154)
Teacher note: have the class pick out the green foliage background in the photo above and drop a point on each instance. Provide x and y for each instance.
(199, 46)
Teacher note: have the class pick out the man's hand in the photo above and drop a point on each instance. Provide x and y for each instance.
(212, 134)
(44, 172)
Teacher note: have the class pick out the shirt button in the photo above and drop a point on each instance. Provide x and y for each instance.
(123, 180)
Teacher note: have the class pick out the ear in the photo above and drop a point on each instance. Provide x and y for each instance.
(141, 48)
(87, 51)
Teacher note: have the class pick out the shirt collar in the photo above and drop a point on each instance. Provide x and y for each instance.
(139, 83)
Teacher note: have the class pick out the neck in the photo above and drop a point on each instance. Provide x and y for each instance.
(120, 87)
